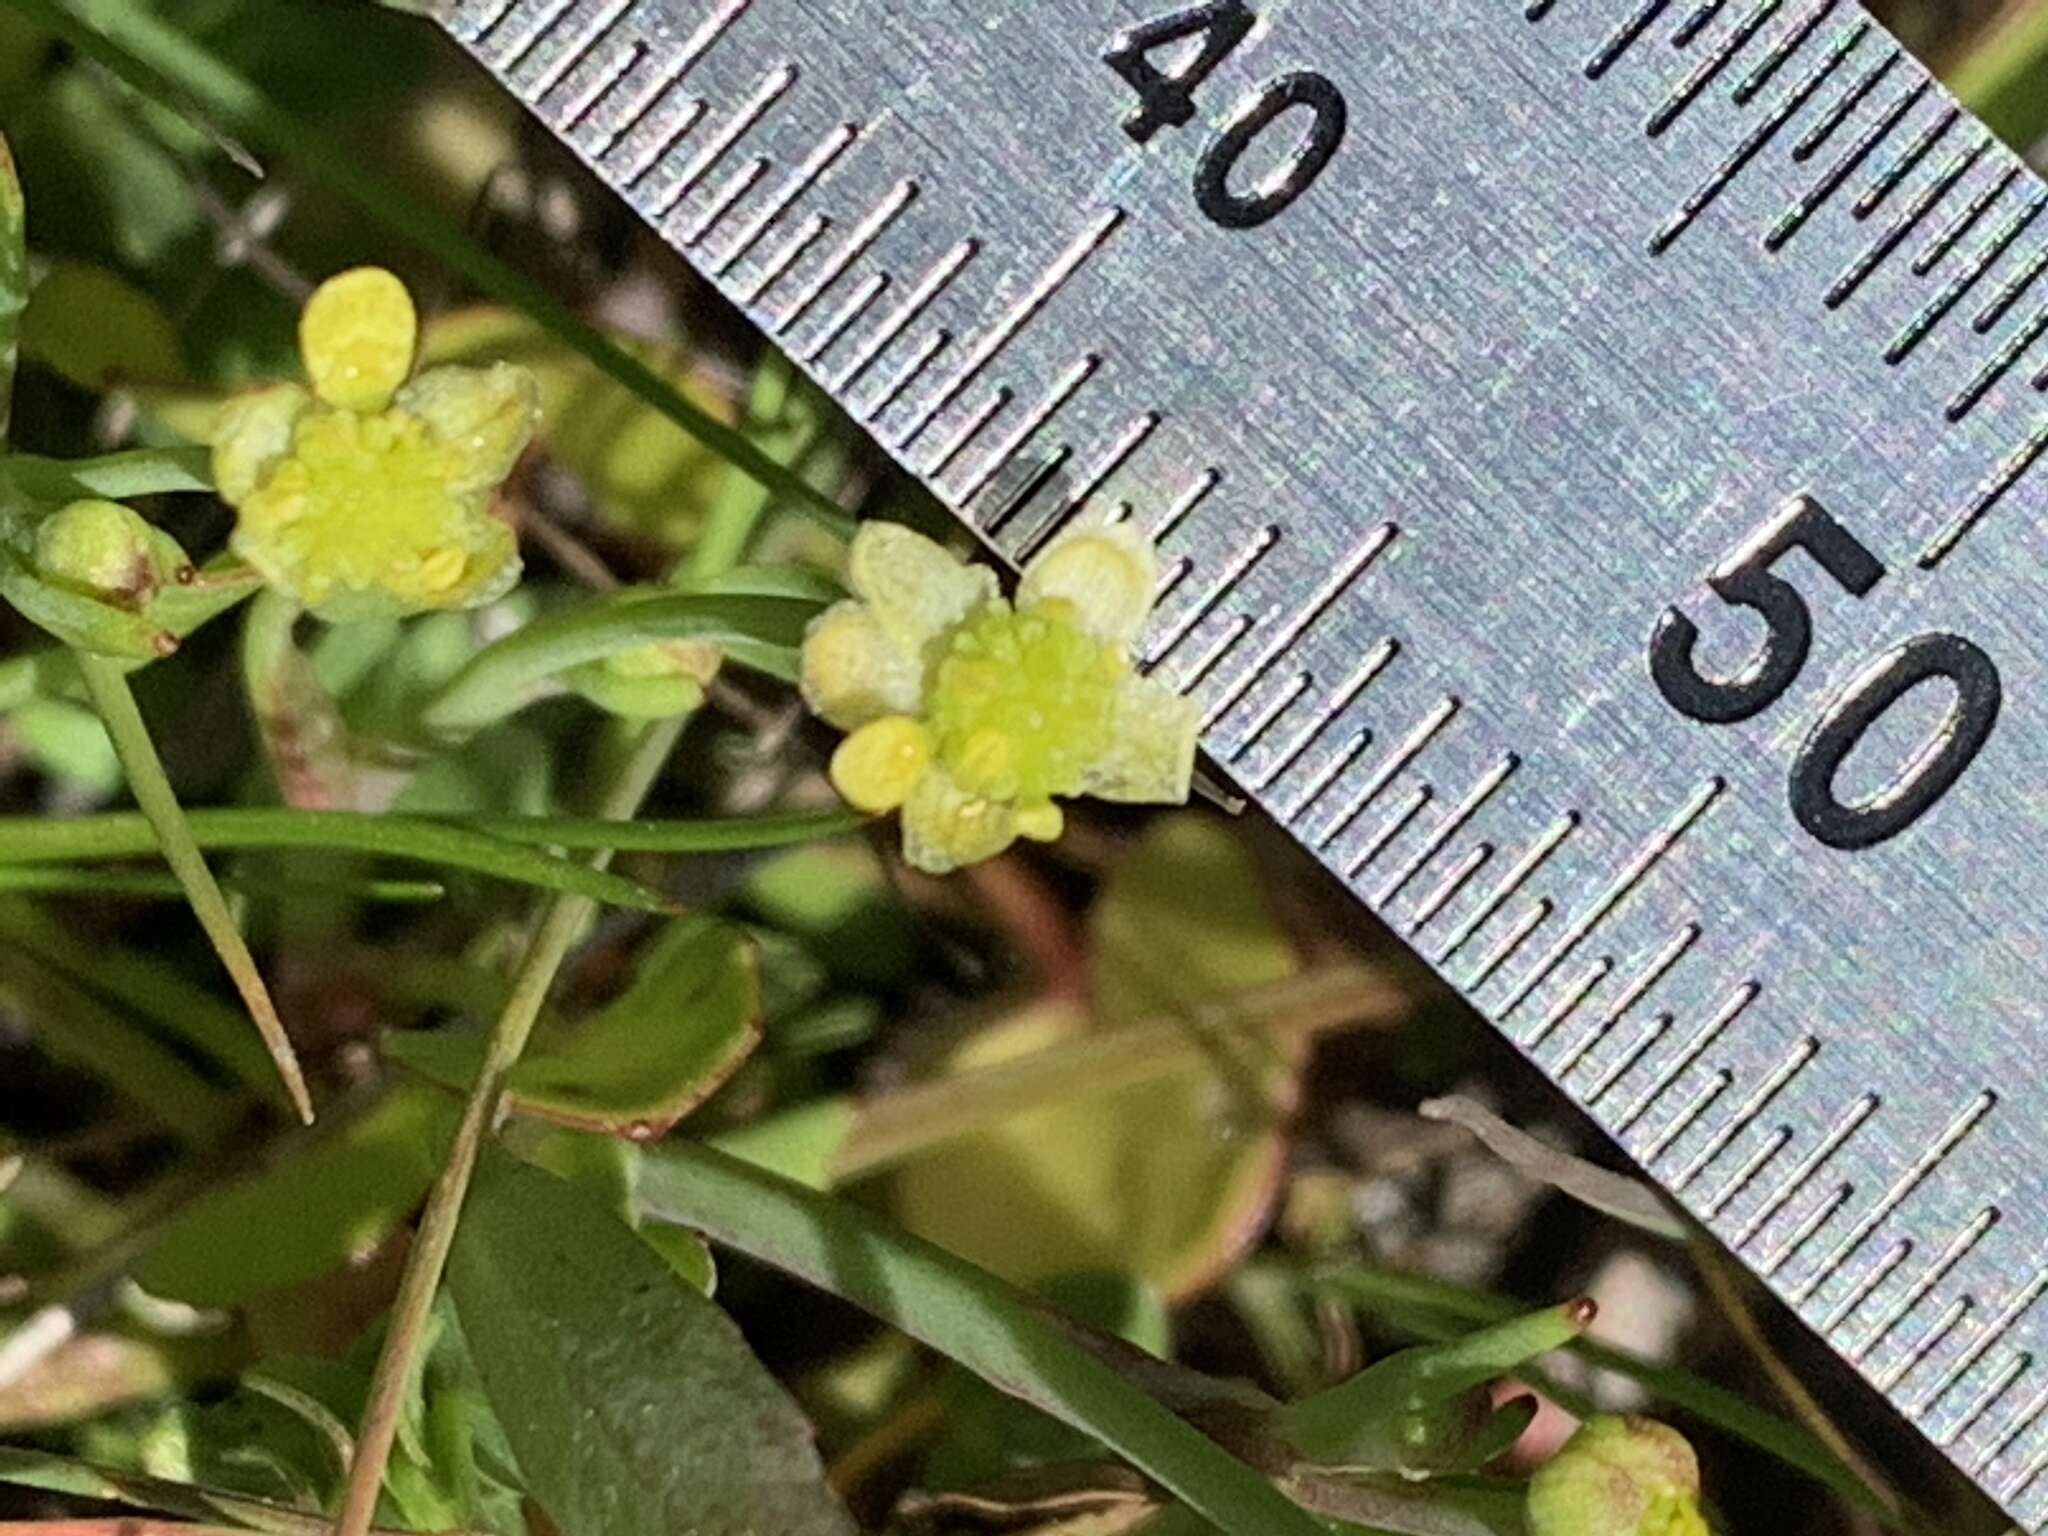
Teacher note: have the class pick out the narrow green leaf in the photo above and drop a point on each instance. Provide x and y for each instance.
(114, 476)
(13, 277)
(152, 791)
(73, 1025)
(56, 880)
(760, 632)
(731, 834)
(964, 1313)
(149, 989)
(639, 1065)
(631, 1402)
(326, 1202)
(125, 835)
(169, 65)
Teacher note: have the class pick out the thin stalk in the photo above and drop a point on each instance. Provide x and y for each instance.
(504, 846)
(169, 65)
(428, 1257)
(60, 880)
(108, 686)
(115, 476)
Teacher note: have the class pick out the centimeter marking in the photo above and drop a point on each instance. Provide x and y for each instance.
(1816, 86)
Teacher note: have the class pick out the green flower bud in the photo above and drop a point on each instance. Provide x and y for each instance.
(1619, 1477)
(102, 550)
(656, 681)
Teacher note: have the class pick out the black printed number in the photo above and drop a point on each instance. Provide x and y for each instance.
(1929, 774)
(1168, 101)
(1199, 39)
(1748, 578)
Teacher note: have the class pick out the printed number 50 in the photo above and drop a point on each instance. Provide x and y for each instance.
(1748, 579)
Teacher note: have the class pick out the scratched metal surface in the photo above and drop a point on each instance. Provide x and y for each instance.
(1589, 291)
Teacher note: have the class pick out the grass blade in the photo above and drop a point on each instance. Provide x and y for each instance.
(169, 65)
(108, 686)
(964, 1313)
(761, 632)
(417, 839)
(727, 834)
(114, 476)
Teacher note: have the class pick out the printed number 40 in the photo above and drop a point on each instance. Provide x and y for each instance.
(1748, 579)
(1196, 41)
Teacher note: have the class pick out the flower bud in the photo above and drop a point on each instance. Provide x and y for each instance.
(656, 681)
(1619, 1477)
(102, 550)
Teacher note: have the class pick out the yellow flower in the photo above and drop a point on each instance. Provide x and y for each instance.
(973, 715)
(1619, 1477)
(369, 495)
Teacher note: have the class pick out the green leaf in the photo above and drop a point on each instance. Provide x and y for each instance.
(329, 1200)
(800, 1144)
(73, 1025)
(13, 277)
(760, 632)
(113, 476)
(123, 835)
(152, 790)
(98, 330)
(639, 1065)
(964, 1313)
(1168, 1179)
(631, 1402)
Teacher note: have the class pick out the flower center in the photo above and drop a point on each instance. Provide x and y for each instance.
(363, 502)
(1020, 703)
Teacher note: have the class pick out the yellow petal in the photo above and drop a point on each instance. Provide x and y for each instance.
(944, 827)
(357, 337)
(878, 766)
(485, 415)
(1106, 573)
(851, 672)
(252, 433)
(1042, 823)
(913, 587)
(1151, 758)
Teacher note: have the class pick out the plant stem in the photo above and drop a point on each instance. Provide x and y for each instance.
(559, 927)
(116, 476)
(108, 686)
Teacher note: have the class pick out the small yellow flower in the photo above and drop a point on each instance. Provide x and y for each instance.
(370, 495)
(1619, 1477)
(971, 714)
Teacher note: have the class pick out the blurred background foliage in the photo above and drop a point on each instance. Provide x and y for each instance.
(1163, 1075)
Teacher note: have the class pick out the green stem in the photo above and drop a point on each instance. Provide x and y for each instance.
(164, 62)
(559, 927)
(503, 846)
(58, 880)
(108, 686)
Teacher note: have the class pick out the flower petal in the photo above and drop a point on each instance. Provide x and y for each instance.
(1151, 759)
(851, 672)
(251, 435)
(357, 337)
(914, 587)
(878, 767)
(944, 827)
(485, 415)
(1108, 573)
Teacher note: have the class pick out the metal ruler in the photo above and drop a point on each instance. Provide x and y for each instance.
(1598, 450)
